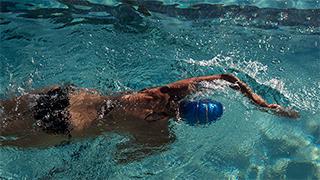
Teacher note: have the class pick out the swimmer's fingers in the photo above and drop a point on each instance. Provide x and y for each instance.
(285, 112)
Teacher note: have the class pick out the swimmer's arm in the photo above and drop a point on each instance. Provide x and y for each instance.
(188, 86)
(245, 89)
(182, 88)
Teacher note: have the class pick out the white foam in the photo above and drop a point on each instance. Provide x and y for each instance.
(304, 98)
(252, 68)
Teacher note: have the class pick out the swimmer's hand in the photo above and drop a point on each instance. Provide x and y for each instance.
(282, 111)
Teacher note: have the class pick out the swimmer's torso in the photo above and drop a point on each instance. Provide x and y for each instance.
(67, 110)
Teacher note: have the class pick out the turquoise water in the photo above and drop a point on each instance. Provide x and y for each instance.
(97, 50)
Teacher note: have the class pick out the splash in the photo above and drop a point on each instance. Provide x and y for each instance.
(304, 98)
(229, 63)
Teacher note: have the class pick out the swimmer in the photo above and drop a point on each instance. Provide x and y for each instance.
(53, 115)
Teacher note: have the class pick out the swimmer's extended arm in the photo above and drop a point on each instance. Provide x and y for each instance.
(182, 88)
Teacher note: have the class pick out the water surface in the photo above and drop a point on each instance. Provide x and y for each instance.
(113, 49)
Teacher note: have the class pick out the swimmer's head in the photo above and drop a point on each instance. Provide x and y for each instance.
(201, 111)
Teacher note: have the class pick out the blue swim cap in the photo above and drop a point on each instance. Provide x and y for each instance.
(200, 111)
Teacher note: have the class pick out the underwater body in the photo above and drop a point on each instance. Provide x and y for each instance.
(118, 46)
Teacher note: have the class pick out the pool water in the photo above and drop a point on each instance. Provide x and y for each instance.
(45, 43)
